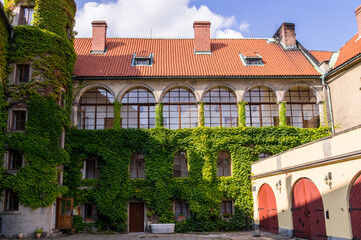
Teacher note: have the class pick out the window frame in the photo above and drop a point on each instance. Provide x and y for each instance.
(220, 105)
(260, 106)
(223, 165)
(9, 160)
(176, 156)
(93, 212)
(18, 74)
(138, 168)
(96, 169)
(11, 122)
(224, 204)
(138, 105)
(313, 104)
(24, 20)
(185, 213)
(12, 196)
(167, 114)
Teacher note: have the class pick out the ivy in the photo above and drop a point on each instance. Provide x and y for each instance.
(202, 190)
(117, 118)
(282, 114)
(242, 113)
(201, 112)
(159, 115)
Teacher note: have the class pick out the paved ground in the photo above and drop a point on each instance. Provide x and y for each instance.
(176, 236)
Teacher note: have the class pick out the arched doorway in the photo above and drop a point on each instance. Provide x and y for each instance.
(267, 210)
(355, 208)
(307, 211)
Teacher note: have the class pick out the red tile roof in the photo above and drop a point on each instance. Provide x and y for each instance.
(322, 55)
(175, 57)
(351, 49)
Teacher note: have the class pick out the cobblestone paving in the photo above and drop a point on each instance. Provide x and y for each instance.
(176, 236)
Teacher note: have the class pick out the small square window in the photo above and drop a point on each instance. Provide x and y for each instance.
(181, 210)
(18, 120)
(11, 202)
(227, 208)
(89, 212)
(22, 73)
(15, 160)
(26, 15)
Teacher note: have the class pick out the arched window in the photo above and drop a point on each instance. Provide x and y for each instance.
(220, 108)
(262, 107)
(180, 167)
(138, 109)
(180, 109)
(137, 166)
(95, 109)
(224, 164)
(302, 110)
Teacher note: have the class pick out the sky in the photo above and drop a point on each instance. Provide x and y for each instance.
(320, 24)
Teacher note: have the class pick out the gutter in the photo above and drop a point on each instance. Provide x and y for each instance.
(194, 77)
(329, 101)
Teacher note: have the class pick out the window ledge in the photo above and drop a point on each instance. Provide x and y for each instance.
(10, 212)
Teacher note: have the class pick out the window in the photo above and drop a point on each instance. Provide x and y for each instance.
(253, 60)
(22, 73)
(89, 212)
(137, 163)
(180, 109)
(15, 160)
(264, 155)
(11, 202)
(26, 15)
(91, 168)
(18, 120)
(180, 167)
(181, 210)
(138, 109)
(227, 208)
(302, 108)
(220, 108)
(223, 164)
(262, 107)
(96, 109)
(142, 60)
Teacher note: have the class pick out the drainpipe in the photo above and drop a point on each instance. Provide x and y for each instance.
(329, 102)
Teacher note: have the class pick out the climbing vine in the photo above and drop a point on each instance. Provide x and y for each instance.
(202, 190)
(117, 118)
(283, 118)
(159, 115)
(201, 112)
(242, 113)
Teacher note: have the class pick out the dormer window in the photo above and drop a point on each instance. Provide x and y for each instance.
(253, 60)
(142, 60)
(26, 15)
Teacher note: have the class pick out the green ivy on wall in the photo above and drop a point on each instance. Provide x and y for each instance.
(159, 115)
(202, 190)
(282, 114)
(242, 113)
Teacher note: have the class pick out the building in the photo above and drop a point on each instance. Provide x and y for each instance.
(139, 131)
(313, 191)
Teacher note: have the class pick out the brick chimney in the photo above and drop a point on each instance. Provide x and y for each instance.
(358, 19)
(99, 39)
(202, 37)
(286, 35)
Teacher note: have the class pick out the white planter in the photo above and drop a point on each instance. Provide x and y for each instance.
(162, 227)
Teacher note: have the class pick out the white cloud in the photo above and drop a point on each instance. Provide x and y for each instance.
(244, 27)
(162, 18)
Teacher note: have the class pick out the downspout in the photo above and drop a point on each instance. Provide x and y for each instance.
(329, 102)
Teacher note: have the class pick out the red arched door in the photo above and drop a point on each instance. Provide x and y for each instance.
(307, 211)
(355, 208)
(267, 210)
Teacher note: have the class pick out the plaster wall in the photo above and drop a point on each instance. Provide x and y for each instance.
(26, 220)
(346, 96)
(335, 196)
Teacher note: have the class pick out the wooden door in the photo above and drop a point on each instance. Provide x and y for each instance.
(355, 208)
(307, 211)
(136, 217)
(64, 213)
(267, 210)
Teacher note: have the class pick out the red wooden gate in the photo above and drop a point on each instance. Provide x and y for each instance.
(355, 208)
(307, 211)
(267, 210)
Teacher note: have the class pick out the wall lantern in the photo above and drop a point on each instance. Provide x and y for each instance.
(278, 185)
(328, 179)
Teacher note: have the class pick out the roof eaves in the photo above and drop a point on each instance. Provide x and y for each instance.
(345, 64)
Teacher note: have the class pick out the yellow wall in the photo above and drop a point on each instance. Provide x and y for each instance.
(335, 198)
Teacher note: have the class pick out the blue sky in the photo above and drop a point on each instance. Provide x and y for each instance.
(320, 24)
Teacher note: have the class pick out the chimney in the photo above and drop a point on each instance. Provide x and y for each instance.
(99, 39)
(286, 35)
(202, 37)
(358, 19)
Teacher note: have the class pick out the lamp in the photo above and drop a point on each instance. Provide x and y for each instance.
(328, 179)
